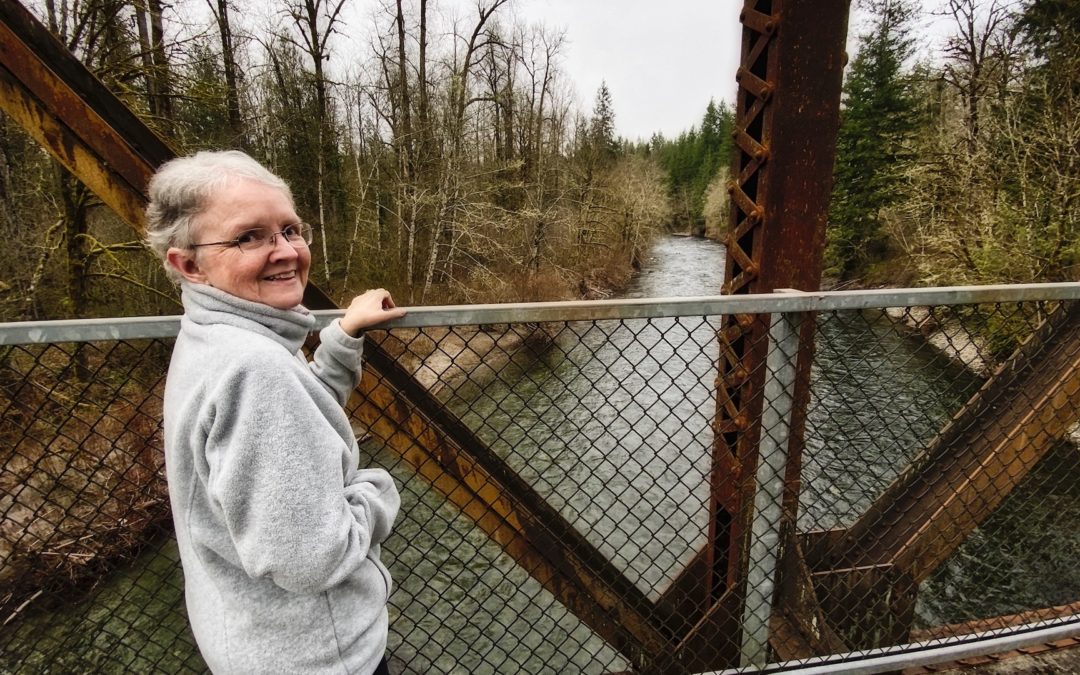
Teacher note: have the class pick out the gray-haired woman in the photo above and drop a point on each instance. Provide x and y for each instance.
(279, 531)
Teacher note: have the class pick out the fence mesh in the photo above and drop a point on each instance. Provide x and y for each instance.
(556, 481)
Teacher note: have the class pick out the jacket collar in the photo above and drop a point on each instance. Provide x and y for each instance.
(206, 305)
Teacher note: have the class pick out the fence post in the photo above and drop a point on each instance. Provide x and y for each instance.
(783, 348)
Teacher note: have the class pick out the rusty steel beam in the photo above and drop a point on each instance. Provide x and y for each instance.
(74, 116)
(70, 150)
(92, 133)
(868, 606)
(786, 121)
(408, 418)
(973, 463)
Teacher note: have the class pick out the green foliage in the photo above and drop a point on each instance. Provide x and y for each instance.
(878, 117)
(692, 161)
(1051, 30)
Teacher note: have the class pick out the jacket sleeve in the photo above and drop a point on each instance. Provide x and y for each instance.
(373, 491)
(276, 474)
(337, 360)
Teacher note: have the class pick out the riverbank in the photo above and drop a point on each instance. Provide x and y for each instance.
(442, 357)
(946, 335)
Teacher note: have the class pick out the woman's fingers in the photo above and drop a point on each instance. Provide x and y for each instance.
(369, 308)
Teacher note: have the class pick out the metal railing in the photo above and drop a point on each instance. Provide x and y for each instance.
(554, 461)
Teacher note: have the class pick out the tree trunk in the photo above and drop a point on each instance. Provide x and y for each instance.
(404, 134)
(162, 80)
(232, 94)
(74, 198)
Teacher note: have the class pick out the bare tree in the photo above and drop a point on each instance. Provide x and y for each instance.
(977, 52)
(220, 10)
(316, 21)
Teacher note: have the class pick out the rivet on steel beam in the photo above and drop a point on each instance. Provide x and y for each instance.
(772, 23)
(731, 186)
(761, 153)
(745, 320)
(741, 423)
(756, 214)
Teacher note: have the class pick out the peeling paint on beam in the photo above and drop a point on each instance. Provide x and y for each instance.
(90, 95)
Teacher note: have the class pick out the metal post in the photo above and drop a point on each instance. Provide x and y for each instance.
(769, 490)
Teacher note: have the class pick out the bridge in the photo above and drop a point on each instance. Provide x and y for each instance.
(677, 485)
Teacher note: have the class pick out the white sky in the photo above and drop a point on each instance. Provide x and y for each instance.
(662, 61)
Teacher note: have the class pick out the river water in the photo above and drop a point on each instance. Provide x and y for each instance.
(609, 422)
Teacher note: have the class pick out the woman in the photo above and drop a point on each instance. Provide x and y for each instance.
(279, 532)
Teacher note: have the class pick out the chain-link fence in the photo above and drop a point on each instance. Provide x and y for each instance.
(913, 476)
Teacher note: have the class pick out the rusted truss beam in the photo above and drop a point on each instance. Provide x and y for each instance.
(786, 120)
(442, 449)
(977, 459)
(106, 146)
(74, 116)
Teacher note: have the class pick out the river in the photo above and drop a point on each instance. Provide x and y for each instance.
(610, 423)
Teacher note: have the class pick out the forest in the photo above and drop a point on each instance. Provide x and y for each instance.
(449, 161)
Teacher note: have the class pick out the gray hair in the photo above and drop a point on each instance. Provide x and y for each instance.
(181, 190)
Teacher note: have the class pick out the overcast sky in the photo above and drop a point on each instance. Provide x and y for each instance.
(662, 61)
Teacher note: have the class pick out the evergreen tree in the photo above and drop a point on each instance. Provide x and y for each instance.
(602, 127)
(693, 160)
(878, 116)
(1051, 29)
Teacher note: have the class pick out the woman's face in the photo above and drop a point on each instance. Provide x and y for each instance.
(273, 275)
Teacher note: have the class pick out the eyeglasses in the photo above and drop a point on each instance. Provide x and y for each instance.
(297, 234)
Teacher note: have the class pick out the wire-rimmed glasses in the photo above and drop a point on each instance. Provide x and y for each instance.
(298, 235)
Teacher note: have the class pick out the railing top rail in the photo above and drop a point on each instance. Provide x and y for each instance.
(131, 328)
(928, 652)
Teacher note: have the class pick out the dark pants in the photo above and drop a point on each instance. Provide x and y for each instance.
(381, 669)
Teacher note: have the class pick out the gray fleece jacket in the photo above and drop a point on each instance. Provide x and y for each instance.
(279, 532)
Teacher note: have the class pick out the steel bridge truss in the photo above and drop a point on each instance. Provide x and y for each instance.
(590, 407)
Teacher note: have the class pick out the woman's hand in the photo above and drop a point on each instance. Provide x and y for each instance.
(369, 308)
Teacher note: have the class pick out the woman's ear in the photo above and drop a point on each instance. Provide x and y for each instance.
(183, 261)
